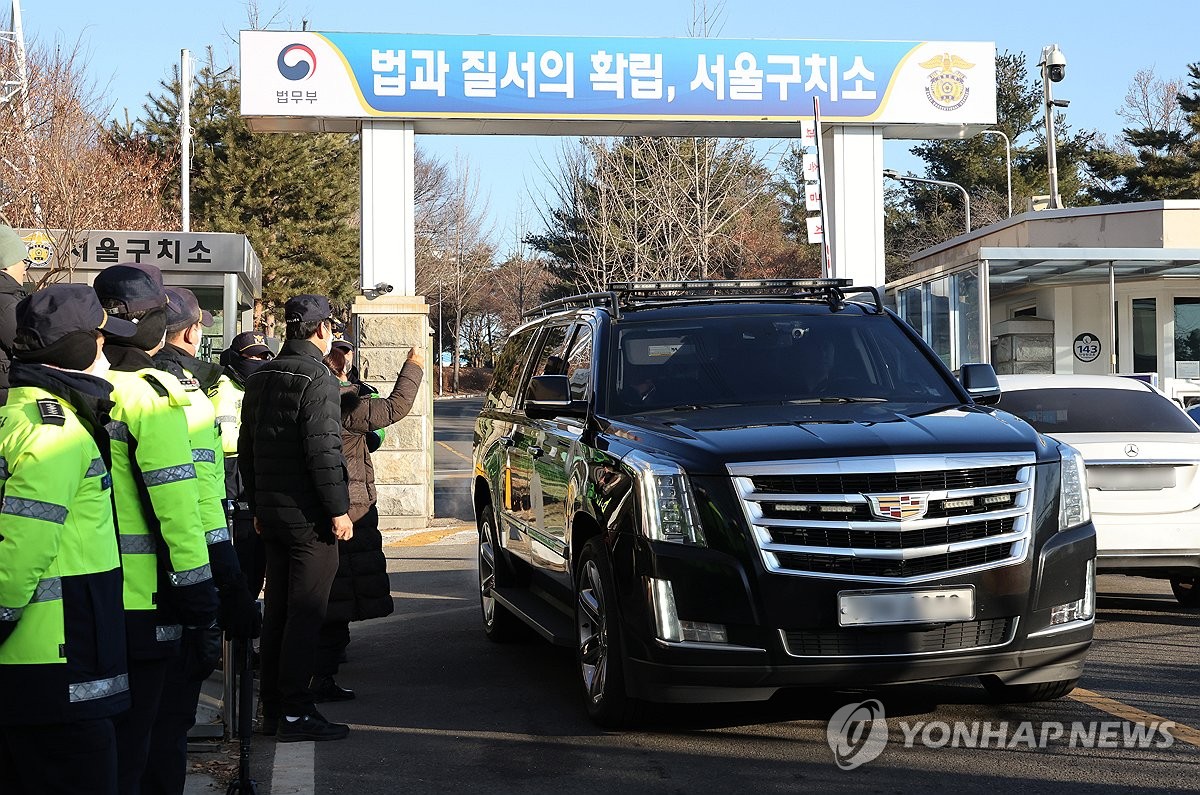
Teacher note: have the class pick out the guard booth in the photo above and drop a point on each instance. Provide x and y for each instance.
(222, 269)
(1093, 290)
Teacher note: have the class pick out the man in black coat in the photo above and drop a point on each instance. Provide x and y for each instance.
(290, 458)
(13, 255)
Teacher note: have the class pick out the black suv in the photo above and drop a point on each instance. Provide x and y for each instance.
(714, 490)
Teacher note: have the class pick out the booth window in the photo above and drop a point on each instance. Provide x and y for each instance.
(1187, 337)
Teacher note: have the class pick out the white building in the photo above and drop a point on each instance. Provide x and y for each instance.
(1112, 289)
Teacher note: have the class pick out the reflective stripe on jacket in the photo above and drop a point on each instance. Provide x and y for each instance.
(168, 580)
(60, 576)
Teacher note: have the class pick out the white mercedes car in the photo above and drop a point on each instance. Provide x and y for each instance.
(1143, 469)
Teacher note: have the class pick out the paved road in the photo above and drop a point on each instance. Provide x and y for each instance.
(453, 422)
(442, 709)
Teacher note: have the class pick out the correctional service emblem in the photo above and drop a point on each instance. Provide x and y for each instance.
(40, 246)
(899, 507)
(947, 89)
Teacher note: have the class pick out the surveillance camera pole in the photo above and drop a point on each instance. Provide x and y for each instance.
(1051, 153)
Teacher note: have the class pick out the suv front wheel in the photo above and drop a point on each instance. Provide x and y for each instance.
(600, 654)
(498, 623)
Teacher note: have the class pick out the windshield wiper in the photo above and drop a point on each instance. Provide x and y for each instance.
(813, 401)
(702, 406)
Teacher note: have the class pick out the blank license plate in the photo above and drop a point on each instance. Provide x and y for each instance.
(859, 608)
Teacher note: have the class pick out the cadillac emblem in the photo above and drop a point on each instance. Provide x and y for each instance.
(899, 507)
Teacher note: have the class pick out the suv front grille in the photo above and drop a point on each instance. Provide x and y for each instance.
(889, 520)
(960, 636)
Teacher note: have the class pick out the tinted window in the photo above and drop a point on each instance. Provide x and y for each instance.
(579, 362)
(508, 371)
(551, 359)
(1097, 411)
(772, 358)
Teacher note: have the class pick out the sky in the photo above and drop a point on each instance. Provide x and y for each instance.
(133, 44)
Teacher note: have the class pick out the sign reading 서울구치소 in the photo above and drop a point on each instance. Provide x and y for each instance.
(401, 76)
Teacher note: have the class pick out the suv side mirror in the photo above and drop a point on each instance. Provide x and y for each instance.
(981, 383)
(549, 396)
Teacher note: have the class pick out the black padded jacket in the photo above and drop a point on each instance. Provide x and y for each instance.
(11, 293)
(290, 445)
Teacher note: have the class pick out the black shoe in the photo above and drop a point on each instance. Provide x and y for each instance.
(323, 688)
(310, 727)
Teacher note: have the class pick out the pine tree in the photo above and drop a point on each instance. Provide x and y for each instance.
(1160, 159)
(919, 216)
(294, 196)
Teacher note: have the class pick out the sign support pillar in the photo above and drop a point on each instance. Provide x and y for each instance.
(854, 203)
(390, 318)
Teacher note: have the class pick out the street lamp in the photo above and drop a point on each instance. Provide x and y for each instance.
(891, 173)
(1054, 69)
(1007, 162)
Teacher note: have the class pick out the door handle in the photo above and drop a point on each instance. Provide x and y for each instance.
(536, 452)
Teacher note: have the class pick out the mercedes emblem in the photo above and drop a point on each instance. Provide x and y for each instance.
(1131, 450)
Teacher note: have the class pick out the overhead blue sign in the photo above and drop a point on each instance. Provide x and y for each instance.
(369, 75)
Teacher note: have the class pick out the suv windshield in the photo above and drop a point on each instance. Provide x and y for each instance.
(771, 358)
(1096, 411)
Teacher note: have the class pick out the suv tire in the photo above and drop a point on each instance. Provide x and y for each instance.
(600, 654)
(498, 623)
(1186, 590)
(1017, 694)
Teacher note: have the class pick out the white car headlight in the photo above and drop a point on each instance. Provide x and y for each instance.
(1073, 507)
(668, 507)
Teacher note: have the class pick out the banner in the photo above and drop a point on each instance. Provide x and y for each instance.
(450, 83)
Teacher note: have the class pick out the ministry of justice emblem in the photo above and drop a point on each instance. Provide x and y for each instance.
(947, 89)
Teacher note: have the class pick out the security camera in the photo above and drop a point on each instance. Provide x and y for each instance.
(383, 287)
(1055, 63)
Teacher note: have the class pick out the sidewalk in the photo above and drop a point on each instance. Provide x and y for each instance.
(211, 762)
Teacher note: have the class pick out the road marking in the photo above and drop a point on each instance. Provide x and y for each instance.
(294, 771)
(1180, 732)
(455, 452)
(454, 475)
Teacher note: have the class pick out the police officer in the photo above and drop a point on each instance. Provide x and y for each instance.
(168, 579)
(245, 354)
(238, 616)
(63, 674)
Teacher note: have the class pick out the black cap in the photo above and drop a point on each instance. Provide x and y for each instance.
(250, 343)
(183, 310)
(46, 316)
(344, 345)
(307, 309)
(130, 288)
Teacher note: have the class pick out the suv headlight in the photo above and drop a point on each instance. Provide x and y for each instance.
(668, 507)
(1073, 507)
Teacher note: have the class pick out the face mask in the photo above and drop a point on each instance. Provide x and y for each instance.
(100, 367)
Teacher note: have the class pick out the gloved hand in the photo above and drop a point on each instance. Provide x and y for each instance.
(239, 615)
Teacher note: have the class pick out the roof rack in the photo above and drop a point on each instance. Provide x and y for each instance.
(607, 300)
(625, 296)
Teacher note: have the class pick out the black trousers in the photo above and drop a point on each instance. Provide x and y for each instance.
(166, 768)
(300, 570)
(146, 681)
(251, 554)
(331, 644)
(64, 758)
